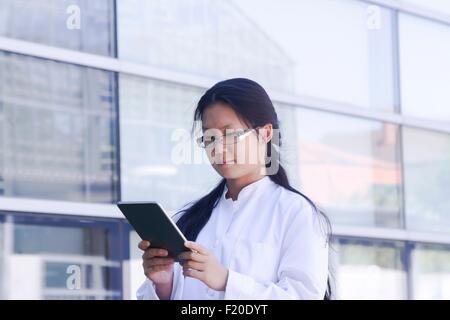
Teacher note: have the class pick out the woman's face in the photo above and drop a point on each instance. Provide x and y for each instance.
(230, 156)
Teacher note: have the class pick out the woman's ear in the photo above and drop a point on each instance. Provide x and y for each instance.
(266, 132)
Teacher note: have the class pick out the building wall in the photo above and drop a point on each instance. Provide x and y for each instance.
(96, 97)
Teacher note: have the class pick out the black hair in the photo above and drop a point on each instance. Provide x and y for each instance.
(252, 104)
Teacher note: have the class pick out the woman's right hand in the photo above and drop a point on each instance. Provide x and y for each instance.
(157, 266)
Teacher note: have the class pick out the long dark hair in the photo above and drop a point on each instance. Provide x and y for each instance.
(252, 104)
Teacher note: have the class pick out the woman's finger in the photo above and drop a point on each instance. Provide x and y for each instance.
(146, 265)
(194, 265)
(189, 255)
(196, 247)
(154, 252)
(159, 261)
(192, 273)
(153, 269)
(144, 244)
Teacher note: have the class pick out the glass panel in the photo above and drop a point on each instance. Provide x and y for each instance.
(349, 166)
(431, 272)
(440, 6)
(60, 258)
(134, 265)
(59, 132)
(156, 122)
(339, 50)
(427, 180)
(2, 148)
(425, 68)
(73, 24)
(369, 270)
(2, 258)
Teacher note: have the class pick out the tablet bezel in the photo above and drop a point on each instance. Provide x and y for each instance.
(131, 203)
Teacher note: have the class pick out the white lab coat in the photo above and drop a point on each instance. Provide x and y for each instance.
(272, 242)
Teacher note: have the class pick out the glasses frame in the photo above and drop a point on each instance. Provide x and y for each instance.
(240, 136)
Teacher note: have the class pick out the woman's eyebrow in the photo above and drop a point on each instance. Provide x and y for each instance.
(224, 127)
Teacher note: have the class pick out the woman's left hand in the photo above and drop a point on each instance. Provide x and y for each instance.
(200, 264)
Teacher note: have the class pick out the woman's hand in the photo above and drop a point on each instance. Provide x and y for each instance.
(200, 264)
(157, 266)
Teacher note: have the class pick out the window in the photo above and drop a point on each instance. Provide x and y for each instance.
(369, 270)
(46, 22)
(322, 48)
(158, 152)
(427, 180)
(2, 152)
(431, 272)
(349, 166)
(136, 274)
(440, 6)
(67, 258)
(58, 138)
(425, 68)
(2, 257)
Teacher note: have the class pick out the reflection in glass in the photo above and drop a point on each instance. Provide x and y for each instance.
(440, 6)
(55, 23)
(156, 119)
(349, 166)
(55, 259)
(59, 130)
(2, 152)
(431, 272)
(322, 48)
(427, 180)
(208, 38)
(425, 68)
(2, 258)
(369, 270)
(135, 275)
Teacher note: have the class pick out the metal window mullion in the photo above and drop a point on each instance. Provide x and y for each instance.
(398, 109)
(412, 9)
(116, 76)
(409, 248)
(87, 131)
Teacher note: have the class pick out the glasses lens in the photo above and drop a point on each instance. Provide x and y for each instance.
(231, 138)
(227, 139)
(206, 141)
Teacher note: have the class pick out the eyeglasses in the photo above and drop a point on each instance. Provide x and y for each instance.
(226, 139)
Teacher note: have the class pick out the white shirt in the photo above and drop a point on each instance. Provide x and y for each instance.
(270, 239)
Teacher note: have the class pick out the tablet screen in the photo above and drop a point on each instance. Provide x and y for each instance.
(152, 223)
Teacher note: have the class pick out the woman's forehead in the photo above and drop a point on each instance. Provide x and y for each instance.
(221, 116)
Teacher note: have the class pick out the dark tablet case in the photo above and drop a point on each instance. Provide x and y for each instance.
(152, 223)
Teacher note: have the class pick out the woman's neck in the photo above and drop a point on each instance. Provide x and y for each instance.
(236, 185)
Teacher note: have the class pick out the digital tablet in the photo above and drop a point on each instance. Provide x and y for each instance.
(152, 223)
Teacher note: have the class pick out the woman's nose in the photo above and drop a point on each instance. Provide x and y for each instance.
(220, 154)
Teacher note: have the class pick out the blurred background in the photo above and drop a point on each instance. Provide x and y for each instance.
(92, 91)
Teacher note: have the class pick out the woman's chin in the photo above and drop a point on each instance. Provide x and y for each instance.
(227, 171)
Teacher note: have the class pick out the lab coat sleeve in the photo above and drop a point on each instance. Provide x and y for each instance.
(303, 266)
(147, 290)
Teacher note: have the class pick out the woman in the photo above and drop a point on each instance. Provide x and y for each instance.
(255, 236)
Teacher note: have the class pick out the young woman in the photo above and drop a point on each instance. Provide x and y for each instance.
(255, 236)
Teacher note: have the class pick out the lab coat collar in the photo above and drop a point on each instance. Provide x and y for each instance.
(247, 191)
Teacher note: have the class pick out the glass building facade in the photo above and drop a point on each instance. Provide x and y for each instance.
(93, 93)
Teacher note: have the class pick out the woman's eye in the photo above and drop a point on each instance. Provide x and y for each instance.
(209, 139)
